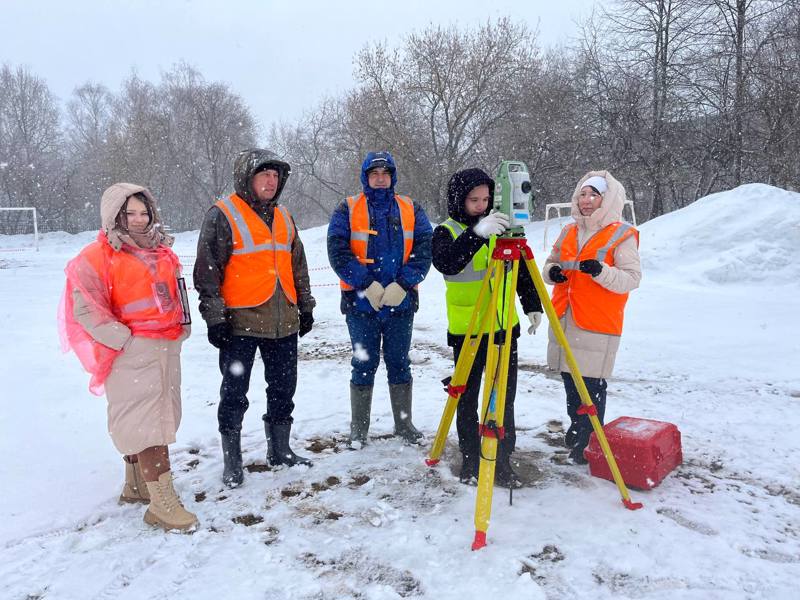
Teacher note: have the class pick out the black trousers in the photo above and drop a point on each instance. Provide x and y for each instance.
(597, 392)
(280, 372)
(467, 417)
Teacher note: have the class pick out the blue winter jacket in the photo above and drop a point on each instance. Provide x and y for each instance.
(386, 248)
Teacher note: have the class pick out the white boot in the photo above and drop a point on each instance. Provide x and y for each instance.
(134, 490)
(166, 510)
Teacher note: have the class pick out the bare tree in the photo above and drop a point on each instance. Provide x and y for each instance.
(433, 102)
(30, 144)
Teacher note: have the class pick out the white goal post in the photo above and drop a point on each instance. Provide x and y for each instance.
(35, 221)
(559, 205)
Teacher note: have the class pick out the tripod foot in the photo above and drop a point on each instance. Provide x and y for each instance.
(431, 462)
(631, 505)
(479, 541)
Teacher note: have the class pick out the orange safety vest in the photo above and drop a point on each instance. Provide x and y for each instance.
(261, 258)
(143, 287)
(360, 231)
(594, 308)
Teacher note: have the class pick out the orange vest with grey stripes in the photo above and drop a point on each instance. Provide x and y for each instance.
(142, 284)
(594, 308)
(360, 230)
(261, 257)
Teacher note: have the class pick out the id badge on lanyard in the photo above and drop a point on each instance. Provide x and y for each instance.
(184, 298)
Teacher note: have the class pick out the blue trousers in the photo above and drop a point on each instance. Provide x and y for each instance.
(367, 333)
(280, 372)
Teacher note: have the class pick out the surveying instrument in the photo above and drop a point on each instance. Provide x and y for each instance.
(512, 197)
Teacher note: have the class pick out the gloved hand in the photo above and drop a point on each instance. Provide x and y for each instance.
(394, 295)
(535, 318)
(220, 335)
(591, 266)
(306, 322)
(555, 274)
(374, 294)
(493, 224)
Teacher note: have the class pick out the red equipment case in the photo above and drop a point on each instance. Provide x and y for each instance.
(645, 451)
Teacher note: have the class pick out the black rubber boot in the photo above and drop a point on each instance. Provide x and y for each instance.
(504, 475)
(470, 465)
(278, 450)
(232, 475)
(400, 396)
(360, 407)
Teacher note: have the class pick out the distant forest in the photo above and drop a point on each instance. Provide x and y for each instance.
(677, 98)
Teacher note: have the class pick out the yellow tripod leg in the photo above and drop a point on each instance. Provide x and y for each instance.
(586, 401)
(466, 358)
(493, 407)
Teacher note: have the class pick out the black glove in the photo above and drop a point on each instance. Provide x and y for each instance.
(556, 275)
(220, 335)
(591, 266)
(306, 322)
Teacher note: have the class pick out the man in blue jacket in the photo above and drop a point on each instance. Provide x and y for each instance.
(379, 244)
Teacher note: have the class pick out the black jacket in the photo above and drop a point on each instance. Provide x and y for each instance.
(451, 256)
(277, 317)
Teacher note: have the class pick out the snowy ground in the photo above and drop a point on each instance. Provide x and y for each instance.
(710, 344)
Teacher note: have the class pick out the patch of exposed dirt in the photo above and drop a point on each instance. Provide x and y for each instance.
(248, 520)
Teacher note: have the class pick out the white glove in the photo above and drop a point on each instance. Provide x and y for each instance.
(493, 224)
(535, 318)
(374, 294)
(394, 295)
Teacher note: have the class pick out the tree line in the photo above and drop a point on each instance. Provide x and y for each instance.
(678, 98)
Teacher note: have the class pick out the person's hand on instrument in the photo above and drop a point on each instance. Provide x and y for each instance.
(493, 224)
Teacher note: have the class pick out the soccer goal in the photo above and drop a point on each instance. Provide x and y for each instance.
(19, 221)
(557, 206)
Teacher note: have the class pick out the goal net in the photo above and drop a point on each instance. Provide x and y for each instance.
(19, 228)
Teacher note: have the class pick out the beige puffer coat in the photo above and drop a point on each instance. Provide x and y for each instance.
(596, 352)
(144, 387)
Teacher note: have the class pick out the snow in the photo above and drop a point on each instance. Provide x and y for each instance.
(710, 344)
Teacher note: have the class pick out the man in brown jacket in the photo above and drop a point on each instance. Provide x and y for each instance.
(252, 277)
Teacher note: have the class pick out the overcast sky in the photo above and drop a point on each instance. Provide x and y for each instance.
(281, 56)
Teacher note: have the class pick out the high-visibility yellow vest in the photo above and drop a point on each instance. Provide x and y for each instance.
(464, 287)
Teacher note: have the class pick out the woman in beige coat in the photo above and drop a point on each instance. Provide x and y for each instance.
(123, 316)
(593, 266)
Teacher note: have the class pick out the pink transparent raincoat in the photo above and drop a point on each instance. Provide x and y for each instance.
(135, 287)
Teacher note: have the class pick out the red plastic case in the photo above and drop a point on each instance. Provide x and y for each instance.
(645, 451)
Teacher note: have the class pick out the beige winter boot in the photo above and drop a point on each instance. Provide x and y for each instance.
(134, 489)
(166, 510)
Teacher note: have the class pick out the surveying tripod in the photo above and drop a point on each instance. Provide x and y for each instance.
(508, 251)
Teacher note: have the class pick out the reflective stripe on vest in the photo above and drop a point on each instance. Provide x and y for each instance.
(463, 289)
(261, 258)
(594, 308)
(358, 210)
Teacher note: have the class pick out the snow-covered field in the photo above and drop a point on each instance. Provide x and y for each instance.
(711, 344)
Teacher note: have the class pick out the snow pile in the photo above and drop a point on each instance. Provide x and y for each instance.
(749, 234)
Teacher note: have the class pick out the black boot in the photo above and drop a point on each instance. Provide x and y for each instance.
(360, 407)
(504, 475)
(470, 465)
(400, 397)
(232, 475)
(278, 450)
(576, 455)
(571, 437)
